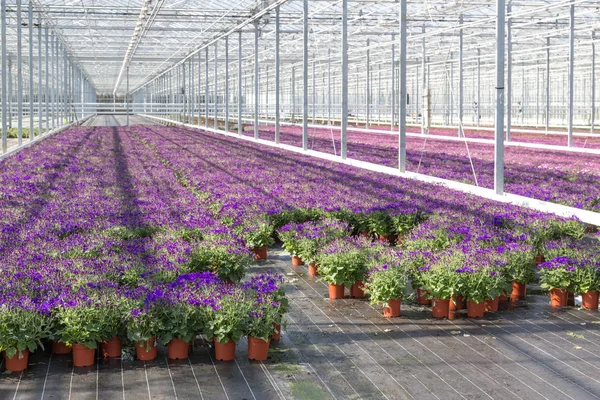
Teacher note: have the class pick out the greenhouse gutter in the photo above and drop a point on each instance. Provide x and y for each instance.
(16, 149)
(588, 217)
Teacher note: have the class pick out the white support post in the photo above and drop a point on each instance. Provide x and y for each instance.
(4, 74)
(402, 91)
(571, 72)
(499, 118)
(305, 75)
(478, 116)
(547, 84)
(393, 94)
(461, 91)
(344, 53)
(509, 96)
(226, 83)
(206, 87)
(31, 114)
(239, 82)
(19, 77)
(368, 84)
(277, 77)
(593, 94)
(256, 81)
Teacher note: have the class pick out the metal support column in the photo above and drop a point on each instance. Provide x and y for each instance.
(508, 71)
(402, 91)
(368, 84)
(305, 75)
(256, 83)
(478, 87)
(31, 114)
(47, 97)
(216, 83)
(547, 84)
(239, 82)
(344, 116)
(39, 41)
(127, 96)
(4, 73)
(206, 87)
(277, 70)
(571, 71)
(19, 77)
(393, 94)
(461, 91)
(226, 83)
(593, 104)
(499, 118)
(329, 87)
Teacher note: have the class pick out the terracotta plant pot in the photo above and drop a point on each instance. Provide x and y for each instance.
(440, 308)
(336, 291)
(492, 304)
(538, 259)
(365, 234)
(475, 310)
(558, 297)
(456, 304)
(146, 351)
(422, 299)
(16, 364)
(356, 290)
(258, 349)
(518, 292)
(260, 254)
(112, 348)
(277, 334)
(313, 269)
(83, 356)
(589, 300)
(60, 348)
(178, 349)
(392, 309)
(296, 261)
(225, 352)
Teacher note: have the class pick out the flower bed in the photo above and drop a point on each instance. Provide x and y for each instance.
(149, 222)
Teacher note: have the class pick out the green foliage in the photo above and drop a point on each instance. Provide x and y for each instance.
(127, 233)
(229, 263)
(519, 267)
(344, 267)
(380, 223)
(226, 321)
(177, 321)
(259, 236)
(80, 325)
(404, 222)
(439, 281)
(22, 329)
(385, 283)
(587, 278)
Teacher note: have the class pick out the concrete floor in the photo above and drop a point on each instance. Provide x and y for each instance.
(346, 350)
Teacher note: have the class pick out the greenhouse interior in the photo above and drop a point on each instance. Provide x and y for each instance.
(299, 199)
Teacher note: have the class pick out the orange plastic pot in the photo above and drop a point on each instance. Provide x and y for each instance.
(392, 309)
(589, 300)
(146, 351)
(456, 304)
(260, 254)
(336, 291)
(60, 348)
(258, 349)
(518, 292)
(313, 269)
(226, 351)
(83, 356)
(178, 349)
(356, 290)
(277, 334)
(475, 310)
(112, 348)
(440, 308)
(492, 304)
(422, 299)
(538, 259)
(297, 261)
(558, 297)
(16, 364)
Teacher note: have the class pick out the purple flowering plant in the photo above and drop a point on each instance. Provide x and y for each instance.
(343, 261)
(558, 273)
(22, 326)
(387, 278)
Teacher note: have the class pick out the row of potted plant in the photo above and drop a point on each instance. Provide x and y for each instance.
(173, 314)
(579, 274)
